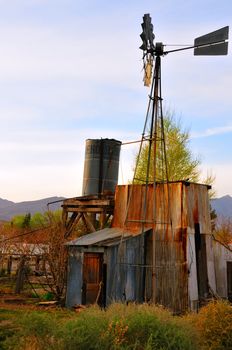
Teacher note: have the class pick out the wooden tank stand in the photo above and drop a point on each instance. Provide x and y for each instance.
(87, 209)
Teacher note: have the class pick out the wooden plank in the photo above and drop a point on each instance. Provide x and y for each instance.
(91, 210)
(95, 202)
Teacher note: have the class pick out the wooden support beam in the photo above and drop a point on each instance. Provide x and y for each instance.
(71, 220)
(84, 222)
(93, 202)
(89, 223)
(20, 275)
(86, 208)
(74, 223)
(64, 216)
(89, 210)
(102, 219)
(107, 218)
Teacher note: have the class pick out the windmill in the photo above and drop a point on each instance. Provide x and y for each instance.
(214, 43)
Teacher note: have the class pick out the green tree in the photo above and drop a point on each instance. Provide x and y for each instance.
(21, 221)
(181, 162)
(39, 220)
(35, 221)
(27, 221)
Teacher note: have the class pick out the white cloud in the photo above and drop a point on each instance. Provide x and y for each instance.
(17, 114)
(47, 53)
(212, 131)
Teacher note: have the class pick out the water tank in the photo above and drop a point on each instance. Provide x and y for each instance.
(101, 166)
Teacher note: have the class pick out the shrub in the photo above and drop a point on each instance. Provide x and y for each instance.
(127, 327)
(36, 331)
(214, 325)
(153, 327)
(138, 327)
(48, 296)
(86, 331)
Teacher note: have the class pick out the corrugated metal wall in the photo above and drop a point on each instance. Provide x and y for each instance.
(75, 277)
(182, 202)
(125, 270)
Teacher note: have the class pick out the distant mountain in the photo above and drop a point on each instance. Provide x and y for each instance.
(4, 203)
(9, 209)
(223, 206)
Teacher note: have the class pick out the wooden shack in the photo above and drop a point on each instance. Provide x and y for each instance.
(158, 249)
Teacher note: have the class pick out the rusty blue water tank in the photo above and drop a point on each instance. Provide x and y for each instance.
(101, 166)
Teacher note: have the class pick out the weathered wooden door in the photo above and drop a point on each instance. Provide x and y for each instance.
(92, 278)
(229, 280)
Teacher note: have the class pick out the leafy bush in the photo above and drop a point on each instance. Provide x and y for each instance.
(135, 327)
(214, 325)
(87, 331)
(48, 296)
(120, 327)
(153, 327)
(36, 331)
(128, 327)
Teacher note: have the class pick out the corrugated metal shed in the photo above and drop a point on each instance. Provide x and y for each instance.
(175, 269)
(123, 254)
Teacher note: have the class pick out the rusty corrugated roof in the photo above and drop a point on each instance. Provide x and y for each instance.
(105, 237)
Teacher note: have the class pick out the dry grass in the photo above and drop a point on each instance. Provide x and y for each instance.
(214, 325)
(122, 327)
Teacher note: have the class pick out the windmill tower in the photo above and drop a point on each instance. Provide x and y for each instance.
(153, 136)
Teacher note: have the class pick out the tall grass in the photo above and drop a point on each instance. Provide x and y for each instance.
(124, 327)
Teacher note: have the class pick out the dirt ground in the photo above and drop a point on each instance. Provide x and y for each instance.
(23, 301)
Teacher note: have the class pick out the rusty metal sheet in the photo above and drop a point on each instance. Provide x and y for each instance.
(98, 237)
(182, 203)
(125, 271)
(74, 278)
(120, 208)
(197, 207)
(132, 213)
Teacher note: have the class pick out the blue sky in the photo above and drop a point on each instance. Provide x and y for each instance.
(71, 70)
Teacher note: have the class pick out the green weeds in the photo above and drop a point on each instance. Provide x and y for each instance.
(134, 327)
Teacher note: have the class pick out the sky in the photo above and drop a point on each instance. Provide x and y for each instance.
(72, 70)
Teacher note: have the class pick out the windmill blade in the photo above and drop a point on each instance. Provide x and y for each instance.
(212, 43)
